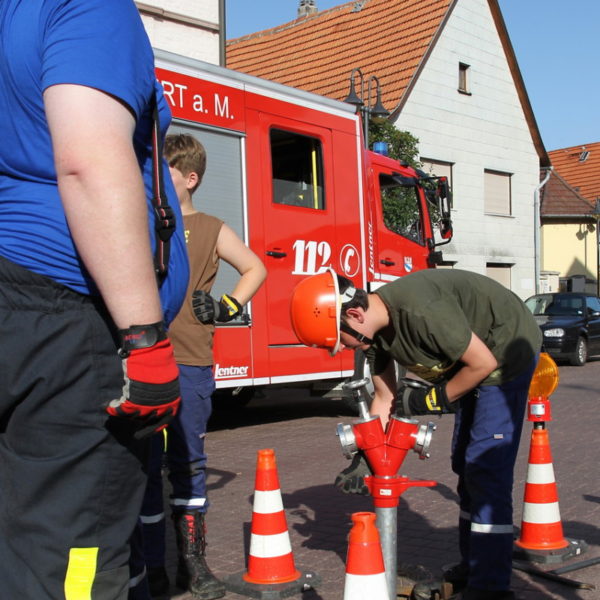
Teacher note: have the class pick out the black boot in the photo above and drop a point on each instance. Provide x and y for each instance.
(193, 573)
(158, 581)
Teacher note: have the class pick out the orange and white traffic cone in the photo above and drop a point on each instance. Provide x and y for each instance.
(270, 562)
(541, 539)
(365, 571)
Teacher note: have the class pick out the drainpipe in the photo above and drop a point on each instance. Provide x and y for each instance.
(537, 226)
(222, 34)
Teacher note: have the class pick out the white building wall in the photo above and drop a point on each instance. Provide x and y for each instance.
(185, 27)
(484, 130)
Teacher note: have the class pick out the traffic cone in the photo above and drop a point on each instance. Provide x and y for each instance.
(365, 571)
(271, 567)
(541, 538)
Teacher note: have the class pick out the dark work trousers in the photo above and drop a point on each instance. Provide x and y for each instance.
(71, 478)
(186, 460)
(486, 439)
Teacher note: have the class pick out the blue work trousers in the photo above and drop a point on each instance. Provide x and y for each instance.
(486, 439)
(186, 461)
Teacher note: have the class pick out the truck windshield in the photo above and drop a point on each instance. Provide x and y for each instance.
(401, 207)
(297, 163)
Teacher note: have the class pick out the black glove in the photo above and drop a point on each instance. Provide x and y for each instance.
(150, 396)
(351, 479)
(416, 398)
(209, 310)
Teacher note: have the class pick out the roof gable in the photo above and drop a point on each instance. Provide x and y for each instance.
(580, 170)
(559, 199)
(390, 38)
(318, 52)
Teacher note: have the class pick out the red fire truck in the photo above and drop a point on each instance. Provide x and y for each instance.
(289, 172)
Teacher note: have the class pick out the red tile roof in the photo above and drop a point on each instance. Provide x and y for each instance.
(581, 171)
(559, 199)
(389, 38)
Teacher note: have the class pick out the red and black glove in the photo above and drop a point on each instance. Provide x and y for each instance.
(416, 398)
(208, 310)
(151, 392)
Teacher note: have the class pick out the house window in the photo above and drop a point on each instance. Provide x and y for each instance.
(463, 78)
(497, 200)
(297, 163)
(499, 272)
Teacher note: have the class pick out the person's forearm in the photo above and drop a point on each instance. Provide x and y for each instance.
(249, 284)
(464, 381)
(103, 196)
(108, 220)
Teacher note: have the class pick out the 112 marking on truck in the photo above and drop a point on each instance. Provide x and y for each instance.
(288, 171)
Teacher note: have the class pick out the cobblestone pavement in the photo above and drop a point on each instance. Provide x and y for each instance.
(301, 430)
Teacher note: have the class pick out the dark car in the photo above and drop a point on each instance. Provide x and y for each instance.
(570, 324)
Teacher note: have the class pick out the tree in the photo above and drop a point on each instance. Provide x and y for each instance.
(402, 144)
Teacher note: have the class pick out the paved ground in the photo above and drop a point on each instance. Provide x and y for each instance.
(301, 430)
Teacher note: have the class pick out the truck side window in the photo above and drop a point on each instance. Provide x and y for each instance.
(401, 209)
(297, 166)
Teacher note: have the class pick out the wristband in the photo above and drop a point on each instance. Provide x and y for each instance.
(137, 337)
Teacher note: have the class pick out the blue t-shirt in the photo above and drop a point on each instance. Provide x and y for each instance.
(96, 43)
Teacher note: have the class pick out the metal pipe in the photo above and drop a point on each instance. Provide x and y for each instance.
(222, 34)
(387, 523)
(537, 228)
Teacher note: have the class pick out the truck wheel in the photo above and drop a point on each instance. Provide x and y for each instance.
(362, 370)
(233, 397)
(579, 356)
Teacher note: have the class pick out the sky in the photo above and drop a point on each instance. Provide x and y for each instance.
(556, 47)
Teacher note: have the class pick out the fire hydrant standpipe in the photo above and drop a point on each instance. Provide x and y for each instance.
(385, 452)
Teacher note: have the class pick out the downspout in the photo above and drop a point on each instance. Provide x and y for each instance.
(222, 34)
(537, 226)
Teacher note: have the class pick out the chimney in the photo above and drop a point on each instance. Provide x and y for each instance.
(307, 7)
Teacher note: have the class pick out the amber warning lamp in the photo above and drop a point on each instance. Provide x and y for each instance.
(543, 384)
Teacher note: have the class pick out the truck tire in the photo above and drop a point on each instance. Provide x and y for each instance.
(361, 371)
(579, 356)
(231, 398)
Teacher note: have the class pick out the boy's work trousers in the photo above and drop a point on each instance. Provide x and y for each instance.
(71, 477)
(186, 460)
(486, 439)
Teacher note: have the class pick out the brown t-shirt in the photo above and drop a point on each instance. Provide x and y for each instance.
(192, 340)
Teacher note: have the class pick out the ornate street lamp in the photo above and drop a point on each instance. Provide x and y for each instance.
(376, 110)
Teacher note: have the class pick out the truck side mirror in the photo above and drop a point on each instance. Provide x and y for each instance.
(443, 197)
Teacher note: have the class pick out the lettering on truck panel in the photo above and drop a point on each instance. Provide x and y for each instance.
(311, 256)
(203, 101)
(230, 372)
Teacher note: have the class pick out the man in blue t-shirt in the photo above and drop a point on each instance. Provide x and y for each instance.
(86, 367)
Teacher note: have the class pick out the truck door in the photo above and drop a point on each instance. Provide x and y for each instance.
(402, 223)
(299, 215)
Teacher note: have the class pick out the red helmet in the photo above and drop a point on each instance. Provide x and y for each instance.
(315, 311)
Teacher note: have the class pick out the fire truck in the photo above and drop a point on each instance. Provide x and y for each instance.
(289, 172)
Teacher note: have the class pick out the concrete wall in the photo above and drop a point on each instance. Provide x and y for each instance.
(483, 130)
(185, 27)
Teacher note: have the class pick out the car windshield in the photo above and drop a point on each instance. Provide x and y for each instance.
(556, 305)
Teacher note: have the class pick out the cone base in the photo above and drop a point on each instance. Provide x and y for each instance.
(237, 584)
(549, 557)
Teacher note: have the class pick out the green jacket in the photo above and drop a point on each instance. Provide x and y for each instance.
(432, 315)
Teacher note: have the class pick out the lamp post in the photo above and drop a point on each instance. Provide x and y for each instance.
(368, 110)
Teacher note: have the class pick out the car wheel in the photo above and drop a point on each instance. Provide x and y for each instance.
(579, 357)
